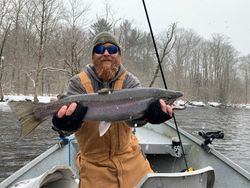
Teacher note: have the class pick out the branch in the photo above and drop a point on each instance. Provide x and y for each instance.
(170, 38)
(53, 69)
(29, 76)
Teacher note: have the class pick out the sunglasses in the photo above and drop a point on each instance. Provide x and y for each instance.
(101, 49)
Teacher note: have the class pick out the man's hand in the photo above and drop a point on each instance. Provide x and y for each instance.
(66, 110)
(158, 112)
(166, 108)
(69, 118)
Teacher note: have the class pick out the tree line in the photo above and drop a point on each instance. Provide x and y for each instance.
(43, 43)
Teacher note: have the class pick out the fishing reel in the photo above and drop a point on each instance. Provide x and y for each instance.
(176, 148)
(210, 136)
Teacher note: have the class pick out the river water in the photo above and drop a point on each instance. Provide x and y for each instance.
(233, 122)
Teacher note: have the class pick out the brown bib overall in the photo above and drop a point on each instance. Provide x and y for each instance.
(112, 160)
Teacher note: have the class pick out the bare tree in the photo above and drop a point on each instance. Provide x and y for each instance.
(180, 57)
(5, 24)
(16, 44)
(245, 69)
(136, 47)
(44, 20)
(74, 46)
(167, 44)
(222, 59)
(40, 44)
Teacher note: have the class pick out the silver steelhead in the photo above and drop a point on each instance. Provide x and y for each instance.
(125, 104)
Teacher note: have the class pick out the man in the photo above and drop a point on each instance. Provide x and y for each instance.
(114, 159)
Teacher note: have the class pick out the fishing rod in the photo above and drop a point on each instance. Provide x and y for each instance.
(163, 78)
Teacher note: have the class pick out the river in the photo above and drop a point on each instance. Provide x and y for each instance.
(233, 122)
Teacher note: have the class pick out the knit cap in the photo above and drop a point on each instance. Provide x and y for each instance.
(105, 37)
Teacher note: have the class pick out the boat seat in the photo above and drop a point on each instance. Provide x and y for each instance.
(57, 177)
(202, 178)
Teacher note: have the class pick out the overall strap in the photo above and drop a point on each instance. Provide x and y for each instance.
(120, 80)
(86, 82)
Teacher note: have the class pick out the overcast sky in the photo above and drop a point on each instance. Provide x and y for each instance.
(228, 17)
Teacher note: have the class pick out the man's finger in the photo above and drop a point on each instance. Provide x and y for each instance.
(166, 108)
(61, 112)
(71, 109)
(169, 110)
(163, 105)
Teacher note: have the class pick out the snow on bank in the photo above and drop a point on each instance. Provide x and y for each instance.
(4, 105)
(197, 103)
(43, 99)
(210, 104)
(214, 104)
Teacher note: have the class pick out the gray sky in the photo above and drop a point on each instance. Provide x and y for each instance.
(228, 17)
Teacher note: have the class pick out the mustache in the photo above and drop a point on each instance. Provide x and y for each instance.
(106, 59)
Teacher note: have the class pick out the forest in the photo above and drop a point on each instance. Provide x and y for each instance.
(43, 43)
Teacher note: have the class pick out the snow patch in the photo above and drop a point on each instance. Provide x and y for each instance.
(197, 103)
(4, 105)
(44, 99)
(214, 104)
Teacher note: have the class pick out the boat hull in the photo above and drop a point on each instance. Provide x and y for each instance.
(156, 141)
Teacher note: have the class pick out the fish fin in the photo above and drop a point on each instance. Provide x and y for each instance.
(103, 127)
(25, 115)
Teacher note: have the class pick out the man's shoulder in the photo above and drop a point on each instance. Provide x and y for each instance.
(131, 81)
(130, 75)
(75, 85)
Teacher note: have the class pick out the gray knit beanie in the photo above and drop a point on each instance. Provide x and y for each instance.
(105, 37)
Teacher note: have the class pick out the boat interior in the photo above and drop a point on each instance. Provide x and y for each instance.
(193, 164)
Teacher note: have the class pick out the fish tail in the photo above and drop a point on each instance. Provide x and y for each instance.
(25, 115)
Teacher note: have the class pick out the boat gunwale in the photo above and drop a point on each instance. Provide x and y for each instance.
(12, 179)
(210, 149)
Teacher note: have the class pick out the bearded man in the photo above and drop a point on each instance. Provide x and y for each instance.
(114, 159)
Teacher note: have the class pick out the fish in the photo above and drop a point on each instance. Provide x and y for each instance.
(117, 105)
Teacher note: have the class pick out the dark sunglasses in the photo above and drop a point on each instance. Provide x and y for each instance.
(101, 49)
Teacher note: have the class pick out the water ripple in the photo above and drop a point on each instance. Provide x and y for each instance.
(233, 122)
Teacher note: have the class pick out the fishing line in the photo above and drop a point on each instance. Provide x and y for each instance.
(163, 78)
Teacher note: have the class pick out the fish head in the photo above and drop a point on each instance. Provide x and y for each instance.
(170, 96)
